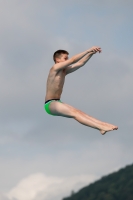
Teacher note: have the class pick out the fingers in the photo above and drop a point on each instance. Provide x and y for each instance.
(96, 49)
(99, 49)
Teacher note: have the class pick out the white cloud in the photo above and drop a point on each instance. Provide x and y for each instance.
(39, 186)
(79, 158)
(3, 197)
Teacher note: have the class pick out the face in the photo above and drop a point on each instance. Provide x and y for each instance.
(62, 58)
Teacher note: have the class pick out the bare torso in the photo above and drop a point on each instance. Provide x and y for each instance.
(55, 84)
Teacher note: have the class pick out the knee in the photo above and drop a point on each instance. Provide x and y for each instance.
(74, 113)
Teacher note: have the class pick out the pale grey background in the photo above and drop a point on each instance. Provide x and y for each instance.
(44, 157)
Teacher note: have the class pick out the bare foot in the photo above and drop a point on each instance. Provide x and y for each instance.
(108, 128)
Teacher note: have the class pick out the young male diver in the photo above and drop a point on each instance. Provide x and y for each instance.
(55, 82)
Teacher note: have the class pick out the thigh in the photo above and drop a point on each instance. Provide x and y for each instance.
(62, 109)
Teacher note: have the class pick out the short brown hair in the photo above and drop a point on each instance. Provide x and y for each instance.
(58, 53)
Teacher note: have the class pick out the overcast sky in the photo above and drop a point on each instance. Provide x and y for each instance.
(45, 157)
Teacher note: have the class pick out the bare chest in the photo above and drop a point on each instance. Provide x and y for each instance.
(60, 77)
(56, 79)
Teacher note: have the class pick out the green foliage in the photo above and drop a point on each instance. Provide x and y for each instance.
(116, 186)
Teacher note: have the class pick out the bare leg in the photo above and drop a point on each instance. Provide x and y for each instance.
(62, 109)
(97, 122)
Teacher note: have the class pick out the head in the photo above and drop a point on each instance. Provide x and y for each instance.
(60, 56)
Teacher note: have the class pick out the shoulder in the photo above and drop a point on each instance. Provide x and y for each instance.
(56, 71)
(53, 71)
(54, 67)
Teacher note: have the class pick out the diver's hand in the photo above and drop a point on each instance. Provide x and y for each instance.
(95, 49)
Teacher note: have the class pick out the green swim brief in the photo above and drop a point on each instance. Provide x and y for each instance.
(47, 103)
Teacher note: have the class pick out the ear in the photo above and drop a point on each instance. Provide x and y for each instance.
(57, 60)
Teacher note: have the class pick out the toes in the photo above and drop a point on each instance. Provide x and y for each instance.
(115, 128)
(103, 132)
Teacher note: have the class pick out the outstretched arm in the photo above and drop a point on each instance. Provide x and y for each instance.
(74, 59)
(82, 61)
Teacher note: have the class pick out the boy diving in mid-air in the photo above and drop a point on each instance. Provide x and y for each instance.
(56, 78)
